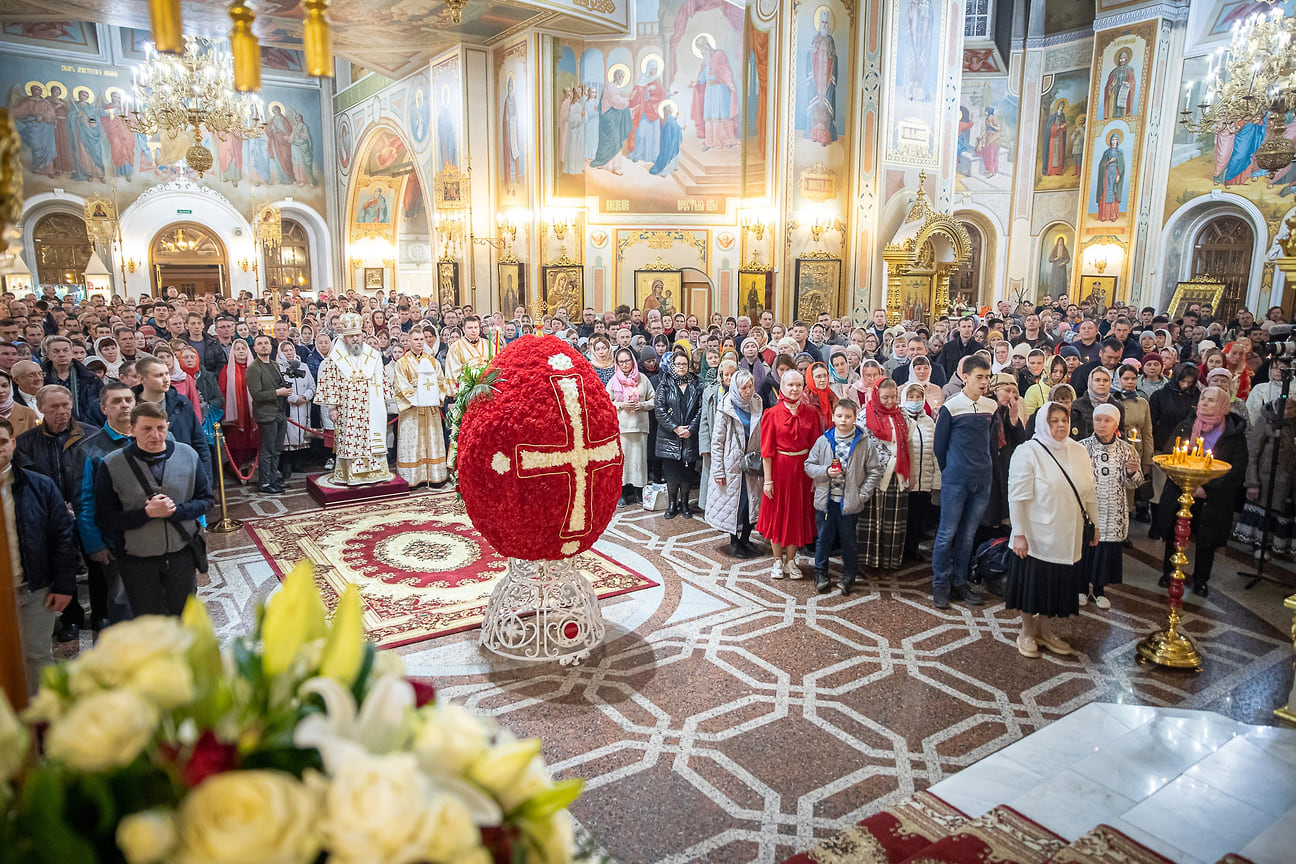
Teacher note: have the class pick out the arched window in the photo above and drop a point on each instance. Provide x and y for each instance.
(1223, 248)
(62, 249)
(288, 265)
(966, 281)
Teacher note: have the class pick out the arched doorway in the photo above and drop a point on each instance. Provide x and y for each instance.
(1224, 248)
(190, 257)
(697, 290)
(289, 265)
(62, 249)
(966, 282)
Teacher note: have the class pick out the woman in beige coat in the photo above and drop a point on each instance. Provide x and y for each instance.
(733, 500)
(1138, 417)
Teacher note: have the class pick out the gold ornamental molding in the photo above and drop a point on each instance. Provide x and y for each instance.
(659, 264)
(926, 249)
(11, 179)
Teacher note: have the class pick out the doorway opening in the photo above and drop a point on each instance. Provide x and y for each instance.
(190, 258)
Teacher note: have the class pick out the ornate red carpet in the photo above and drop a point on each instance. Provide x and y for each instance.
(422, 569)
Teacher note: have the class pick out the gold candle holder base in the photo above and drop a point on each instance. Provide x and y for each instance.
(1169, 647)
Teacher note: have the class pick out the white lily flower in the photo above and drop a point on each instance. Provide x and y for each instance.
(380, 725)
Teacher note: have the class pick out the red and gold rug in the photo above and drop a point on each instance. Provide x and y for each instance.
(422, 569)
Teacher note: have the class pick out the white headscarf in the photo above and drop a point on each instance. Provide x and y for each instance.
(1044, 434)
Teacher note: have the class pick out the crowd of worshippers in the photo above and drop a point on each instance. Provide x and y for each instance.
(832, 437)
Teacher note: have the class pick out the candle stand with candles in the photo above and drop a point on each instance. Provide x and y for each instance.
(1189, 468)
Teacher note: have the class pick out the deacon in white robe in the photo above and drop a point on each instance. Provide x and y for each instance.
(420, 389)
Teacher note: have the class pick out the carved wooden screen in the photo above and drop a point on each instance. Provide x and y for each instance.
(1223, 249)
(288, 264)
(62, 249)
(966, 281)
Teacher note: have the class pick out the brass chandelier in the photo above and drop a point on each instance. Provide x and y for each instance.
(175, 94)
(1253, 78)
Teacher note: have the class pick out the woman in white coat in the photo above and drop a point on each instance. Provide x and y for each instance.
(298, 378)
(633, 397)
(733, 501)
(1050, 494)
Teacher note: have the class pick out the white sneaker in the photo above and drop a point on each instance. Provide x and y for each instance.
(792, 570)
(1084, 599)
(1102, 603)
(777, 571)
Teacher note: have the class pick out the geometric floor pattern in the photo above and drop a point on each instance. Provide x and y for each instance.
(729, 718)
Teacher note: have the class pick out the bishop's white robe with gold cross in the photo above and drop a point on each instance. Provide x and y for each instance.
(420, 446)
(356, 387)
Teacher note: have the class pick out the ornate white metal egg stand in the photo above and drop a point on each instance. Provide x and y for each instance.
(542, 611)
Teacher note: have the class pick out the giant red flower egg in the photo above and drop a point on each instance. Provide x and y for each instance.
(540, 458)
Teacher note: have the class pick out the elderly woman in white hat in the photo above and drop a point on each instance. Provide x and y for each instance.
(1116, 472)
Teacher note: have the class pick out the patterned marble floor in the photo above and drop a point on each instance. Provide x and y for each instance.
(729, 718)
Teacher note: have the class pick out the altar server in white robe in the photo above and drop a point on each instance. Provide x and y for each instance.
(420, 389)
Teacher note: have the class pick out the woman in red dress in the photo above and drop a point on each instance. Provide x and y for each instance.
(239, 426)
(787, 518)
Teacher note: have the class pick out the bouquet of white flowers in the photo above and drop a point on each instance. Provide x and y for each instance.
(298, 744)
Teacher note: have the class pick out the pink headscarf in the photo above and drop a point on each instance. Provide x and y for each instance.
(1212, 407)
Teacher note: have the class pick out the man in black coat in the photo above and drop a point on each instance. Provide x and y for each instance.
(60, 368)
(155, 386)
(1214, 502)
(216, 354)
(47, 554)
(961, 344)
(1109, 358)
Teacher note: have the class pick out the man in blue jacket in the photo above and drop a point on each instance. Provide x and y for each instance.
(44, 555)
(155, 386)
(962, 444)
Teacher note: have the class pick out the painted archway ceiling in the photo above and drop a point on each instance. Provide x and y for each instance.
(389, 36)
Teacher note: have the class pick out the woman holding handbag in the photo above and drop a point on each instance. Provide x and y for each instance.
(1051, 504)
(733, 501)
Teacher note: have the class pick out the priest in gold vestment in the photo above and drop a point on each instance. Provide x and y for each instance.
(352, 385)
(420, 389)
(471, 350)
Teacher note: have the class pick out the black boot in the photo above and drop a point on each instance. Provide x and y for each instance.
(625, 496)
(732, 549)
(684, 503)
(822, 583)
(846, 584)
(672, 499)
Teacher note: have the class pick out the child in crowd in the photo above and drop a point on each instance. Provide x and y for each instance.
(845, 465)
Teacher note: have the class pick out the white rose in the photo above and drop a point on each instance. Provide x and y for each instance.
(167, 682)
(249, 817)
(13, 742)
(46, 707)
(378, 811)
(147, 837)
(104, 730)
(450, 738)
(125, 648)
(388, 663)
(453, 832)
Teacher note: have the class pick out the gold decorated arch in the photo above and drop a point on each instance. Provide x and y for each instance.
(920, 258)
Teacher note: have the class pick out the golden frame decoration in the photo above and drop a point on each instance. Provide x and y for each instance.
(1203, 289)
(758, 283)
(568, 294)
(516, 272)
(672, 289)
(1103, 286)
(447, 287)
(929, 244)
(449, 189)
(818, 288)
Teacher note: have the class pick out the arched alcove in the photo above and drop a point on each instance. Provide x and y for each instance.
(1177, 256)
(1223, 247)
(190, 257)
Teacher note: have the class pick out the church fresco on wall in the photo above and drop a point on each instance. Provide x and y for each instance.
(69, 118)
(822, 48)
(1225, 160)
(1057, 260)
(987, 135)
(655, 124)
(1063, 124)
(447, 89)
(913, 104)
(514, 145)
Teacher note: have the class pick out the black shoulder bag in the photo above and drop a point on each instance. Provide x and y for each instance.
(1090, 529)
(196, 542)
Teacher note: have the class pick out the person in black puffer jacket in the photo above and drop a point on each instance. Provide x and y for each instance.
(679, 416)
(650, 368)
(1172, 403)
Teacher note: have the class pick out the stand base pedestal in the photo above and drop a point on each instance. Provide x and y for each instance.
(329, 494)
(543, 610)
(1173, 650)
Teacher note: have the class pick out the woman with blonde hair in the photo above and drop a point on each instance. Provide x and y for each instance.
(734, 499)
(712, 394)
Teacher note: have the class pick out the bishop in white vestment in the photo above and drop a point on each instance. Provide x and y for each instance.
(352, 385)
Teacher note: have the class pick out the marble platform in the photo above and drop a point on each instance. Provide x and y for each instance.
(1192, 785)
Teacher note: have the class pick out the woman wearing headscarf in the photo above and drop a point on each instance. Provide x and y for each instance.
(1038, 393)
(1263, 437)
(1225, 436)
(211, 402)
(751, 361)
(713, 392)
(678, 406)
(1117, 472)
(787, 516)
(239, 426)
(1172, 403)
(733, 501)
(19, 416)
(882, 523)
(601, 358)
(632, 395)
(1050, 496)
(105, 348)
(1236, 354)
(1098, 391)
(1007, 432)
(840, 376)
(819, 394)
(298, 379)
(924, 472)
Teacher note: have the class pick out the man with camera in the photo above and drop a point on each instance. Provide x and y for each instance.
(269, 392)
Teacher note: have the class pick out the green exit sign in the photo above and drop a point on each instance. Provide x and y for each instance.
(184, 212)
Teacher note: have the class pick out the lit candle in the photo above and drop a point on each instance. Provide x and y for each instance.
(1133, 436)
(1178, 442)
(1201, 446)
(1209, 458)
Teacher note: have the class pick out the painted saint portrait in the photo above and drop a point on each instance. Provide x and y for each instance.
(1109, 186)
(1120, 92)
(821, 66)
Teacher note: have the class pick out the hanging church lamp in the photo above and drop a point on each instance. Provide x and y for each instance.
(317, 42)
(164, 20)
(244, 48)
(191, 93)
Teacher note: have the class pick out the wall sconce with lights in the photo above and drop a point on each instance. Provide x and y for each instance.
(756, 222)
(819, 222)
(508, 226)
(1101, 253)
(450, 228)
(132, 265)
(561, 222)
(244, 264)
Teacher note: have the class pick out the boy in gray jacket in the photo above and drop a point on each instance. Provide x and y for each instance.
(846, 465)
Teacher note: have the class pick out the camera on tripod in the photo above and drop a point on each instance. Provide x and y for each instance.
(1280, 345)
(295, 370)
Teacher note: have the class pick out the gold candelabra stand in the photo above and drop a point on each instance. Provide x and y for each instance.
(1189, 468)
